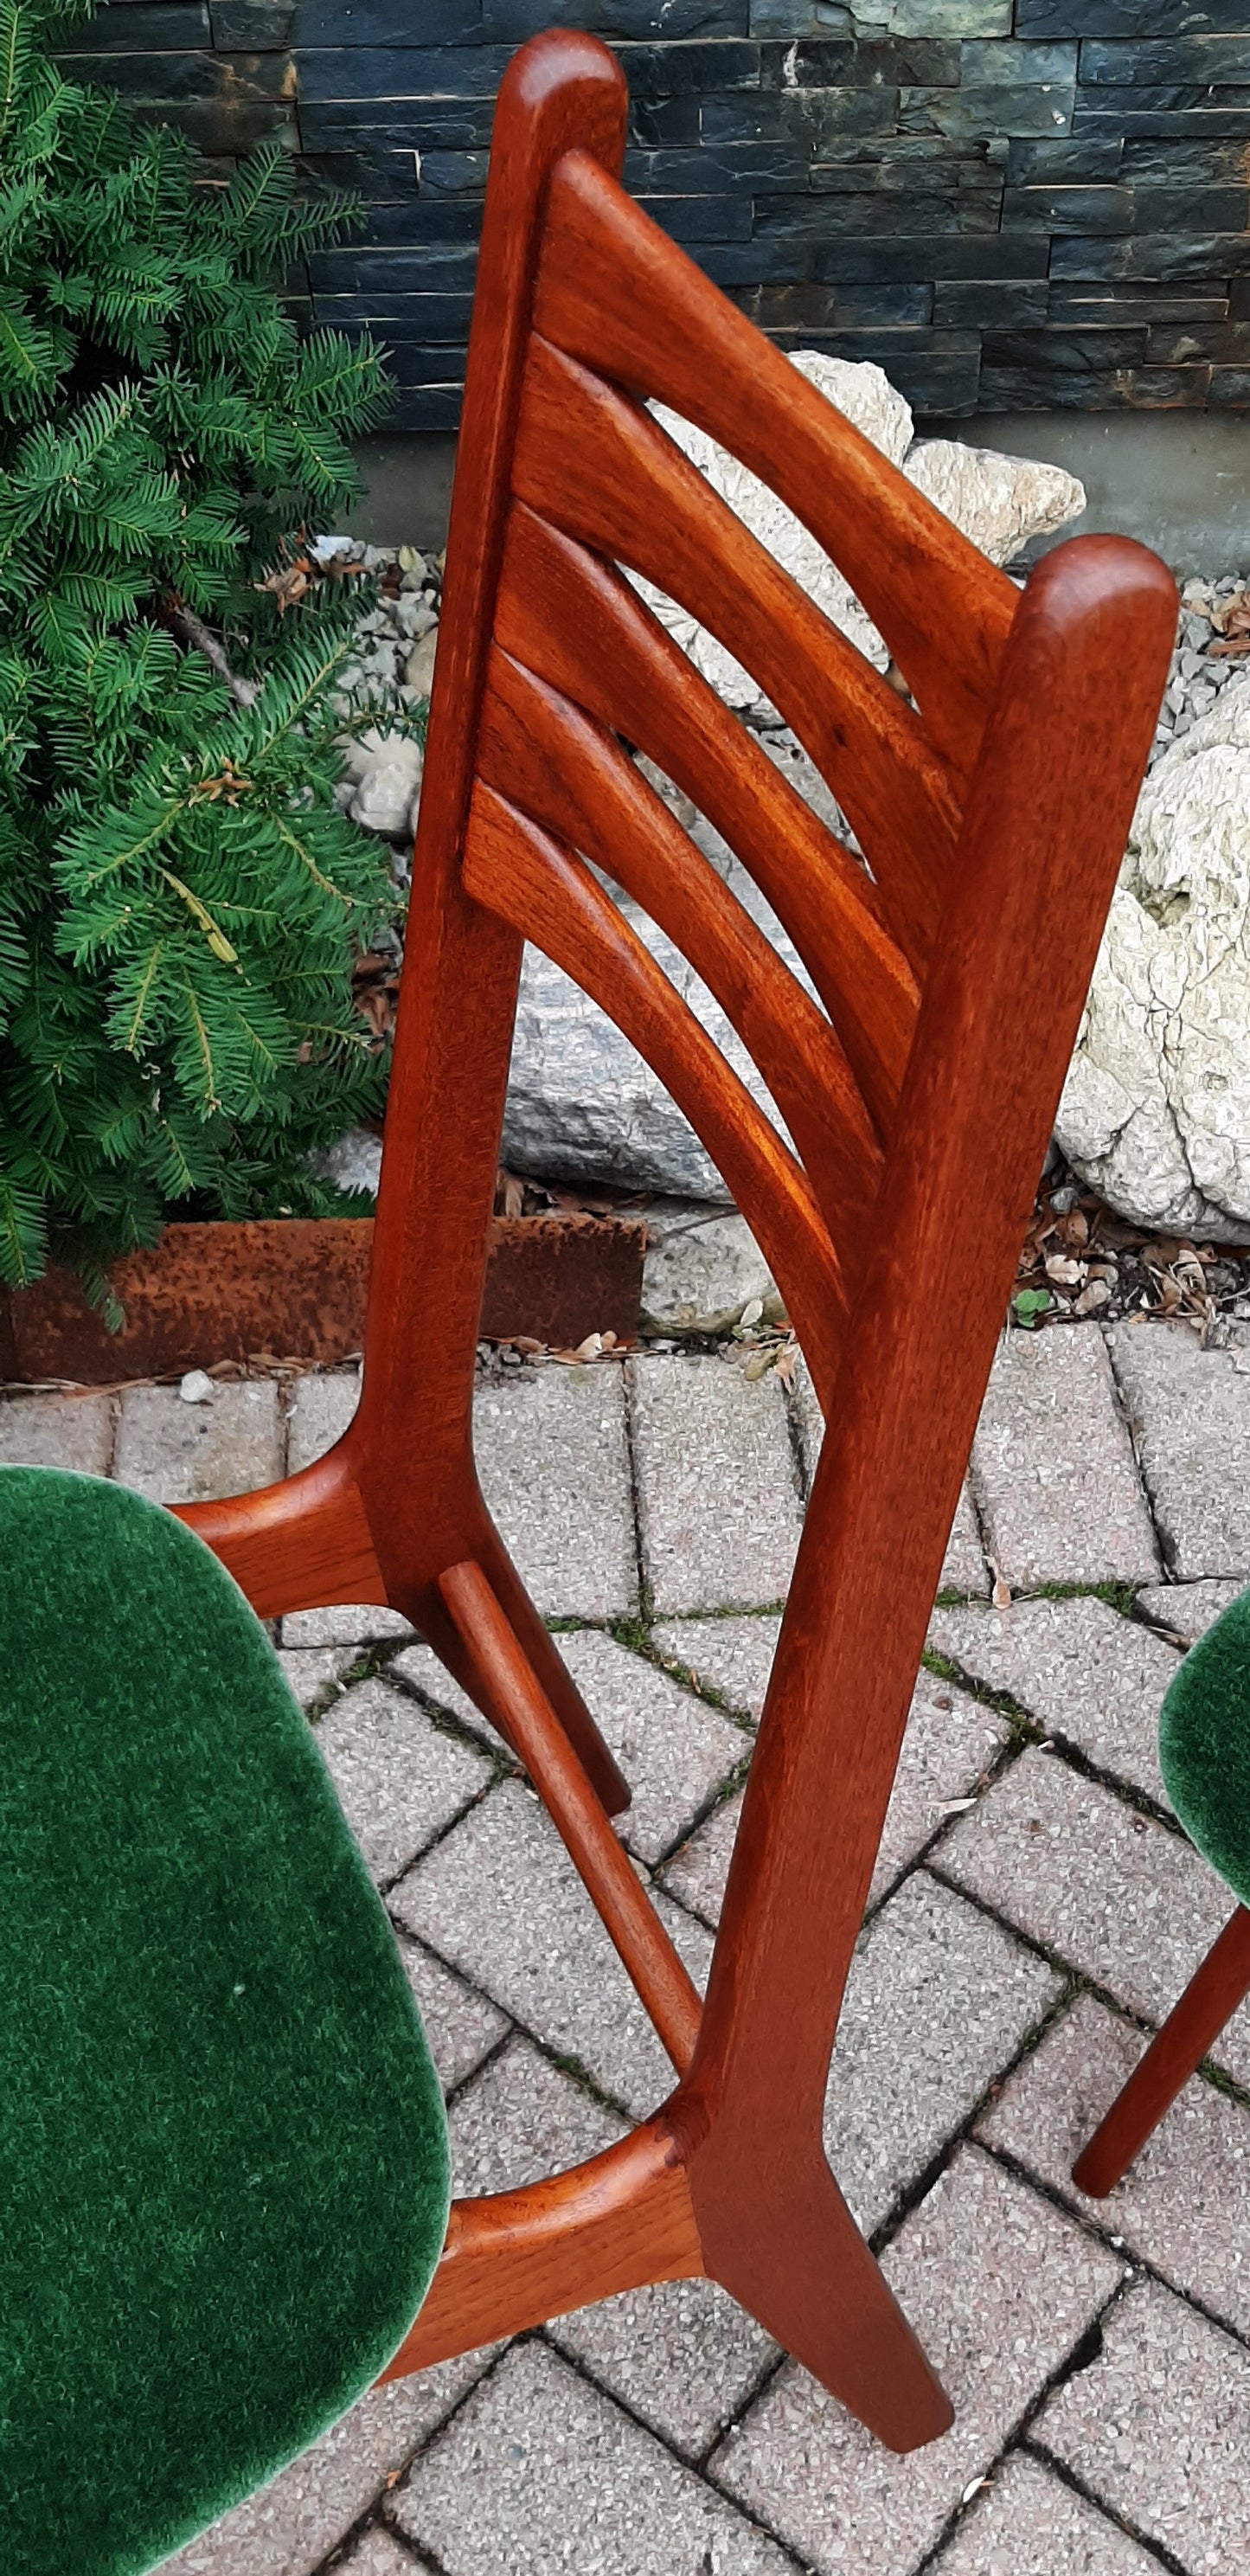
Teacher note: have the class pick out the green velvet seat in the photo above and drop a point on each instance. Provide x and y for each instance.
(223, 2155)
(1204, 1745)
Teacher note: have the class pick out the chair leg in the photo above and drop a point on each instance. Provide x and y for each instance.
(796, 2259)
(1209, 2000)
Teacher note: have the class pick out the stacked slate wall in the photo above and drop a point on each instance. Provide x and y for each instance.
(1009, 204)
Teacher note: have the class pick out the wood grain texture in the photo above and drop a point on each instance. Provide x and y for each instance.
(512, 2260)
(557, 765)
(667, 1990)
(517, 870)
(1193, 2025)
(595, 465)
(616, 293)
(571, 619)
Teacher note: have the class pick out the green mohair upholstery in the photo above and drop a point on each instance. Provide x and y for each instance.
(223, 2155)
(1204, 1745)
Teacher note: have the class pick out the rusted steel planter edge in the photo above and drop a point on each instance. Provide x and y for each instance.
(297, 1288)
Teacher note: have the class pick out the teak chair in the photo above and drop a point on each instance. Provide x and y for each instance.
(993, 812)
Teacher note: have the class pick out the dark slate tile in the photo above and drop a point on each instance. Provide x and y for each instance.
(387, 74)
(701, 219)
(1155, 255)
(1128, 18)
(784, 259)
(1013, 254)
(903, 211)
(1066, 352)
(511, 21)
(1166, 114)
(221, 127)
(983, 303)
(1174, 344)
(439, 268)
(1239, 300)
(173, 29)
(690, 70)
(243, 80)
(452, 174)
(1008, 65)
(428, 407)
(875, 66)
(1134, 300)
(426, 361)
(431, 320)
(1140, 389)
(1188, 209)
(1230, 389)
(1177, 161)
(1216, 60)
(253, 26)
(1071, 209)
(987, 109)
(1071, 159)
(382, 178)
(419, 220)
(657, 122)
(751, 167)
(378, 22)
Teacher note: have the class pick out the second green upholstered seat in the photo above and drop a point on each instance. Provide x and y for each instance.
(1204, 1745)
(223, 2154)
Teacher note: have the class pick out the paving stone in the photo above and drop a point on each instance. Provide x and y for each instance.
(194, 1453)
(1184, 2204)
(1159, 2427)
(500, 1900)
(377, 2554)
(1027, 2523)
(732, 1656)
(673, 1749)
(364, 1623)
(1190, 1412)
(74, 1431)
(423, 1671)
(314, 1675)
(1187, 1610)
(683, 2355)
(292, 2524)
(320, 1409)
(1126, 1901)
(951, 1741)
(938, 2000)
(963, 1567)
(553, 1459)
(461, 2025)
(520, 2119)
(718, 1500)
(398, 1777)
(1053, 1469)
(999, 2287)
(1079, 1668)
(539, 2473)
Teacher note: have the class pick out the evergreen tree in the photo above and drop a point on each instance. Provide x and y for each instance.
(180, 900)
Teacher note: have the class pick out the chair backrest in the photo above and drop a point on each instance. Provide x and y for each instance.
(993, 811)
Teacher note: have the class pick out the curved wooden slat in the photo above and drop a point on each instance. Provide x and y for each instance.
(614, 291)
(297, 1545)
(514, 2259)
(548, 757)
(516, 870)
(590, 461)
(574, 620)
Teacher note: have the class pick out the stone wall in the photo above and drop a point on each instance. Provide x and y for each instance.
(1009, 204)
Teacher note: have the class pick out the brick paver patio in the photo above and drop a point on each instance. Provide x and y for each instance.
(1035, 1908)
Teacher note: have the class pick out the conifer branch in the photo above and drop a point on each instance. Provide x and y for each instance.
(182, 621)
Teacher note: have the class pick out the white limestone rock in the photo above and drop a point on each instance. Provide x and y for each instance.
(997, 501)
(702, 1267)
(1000, 502)
(1155, 1114)
(385, 769)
